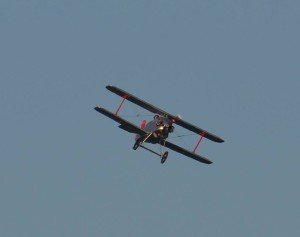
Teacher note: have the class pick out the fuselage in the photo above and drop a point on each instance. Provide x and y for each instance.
(159, 127)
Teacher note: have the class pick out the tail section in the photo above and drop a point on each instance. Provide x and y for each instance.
(142, 126)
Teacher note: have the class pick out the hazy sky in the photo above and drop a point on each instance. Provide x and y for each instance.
(230, 67)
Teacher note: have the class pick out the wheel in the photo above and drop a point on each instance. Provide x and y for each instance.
(136, 145)
(164, 157)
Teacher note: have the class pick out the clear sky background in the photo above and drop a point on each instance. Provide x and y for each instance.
(230, 67)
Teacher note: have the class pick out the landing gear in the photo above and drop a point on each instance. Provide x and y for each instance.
(136, 144)
(164, 157)
(139, 141)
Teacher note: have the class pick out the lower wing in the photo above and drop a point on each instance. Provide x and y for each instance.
(186, 152)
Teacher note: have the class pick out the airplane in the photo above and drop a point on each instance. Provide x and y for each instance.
(157, 130)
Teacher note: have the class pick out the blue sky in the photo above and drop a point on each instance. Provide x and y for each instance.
(230, 67)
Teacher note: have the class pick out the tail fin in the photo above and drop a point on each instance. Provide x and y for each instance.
(142, 126)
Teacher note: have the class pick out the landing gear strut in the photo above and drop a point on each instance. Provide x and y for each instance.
(141, 140)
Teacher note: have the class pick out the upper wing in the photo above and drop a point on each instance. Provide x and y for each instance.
(136, 100)
(127, 126)
(198, 130)
(156, 110)
(186, 152)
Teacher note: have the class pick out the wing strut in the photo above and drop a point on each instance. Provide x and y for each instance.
(124, 98)
(202, 135)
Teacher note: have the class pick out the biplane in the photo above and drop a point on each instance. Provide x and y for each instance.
(157, 130)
